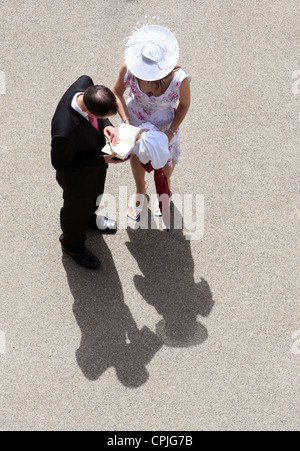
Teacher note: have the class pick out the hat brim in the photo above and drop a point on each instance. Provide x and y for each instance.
(144, 68)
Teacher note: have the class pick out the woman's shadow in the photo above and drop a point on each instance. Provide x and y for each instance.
(110, 336)
(168, 284)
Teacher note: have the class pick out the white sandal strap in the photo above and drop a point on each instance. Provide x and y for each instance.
(139, 208)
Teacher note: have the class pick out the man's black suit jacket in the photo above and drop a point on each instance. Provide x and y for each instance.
(76, 147)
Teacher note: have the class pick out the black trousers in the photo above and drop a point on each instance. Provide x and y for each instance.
(75, 217)
(78, 213)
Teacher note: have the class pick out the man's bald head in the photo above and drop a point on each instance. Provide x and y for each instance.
(100, 101)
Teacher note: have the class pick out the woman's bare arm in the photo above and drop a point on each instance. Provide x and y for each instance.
(183, 107)
(119, 90)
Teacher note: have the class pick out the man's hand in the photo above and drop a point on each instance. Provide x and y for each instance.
(112, 134)
(109, 159)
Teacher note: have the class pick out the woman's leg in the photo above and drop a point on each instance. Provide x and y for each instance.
(138, 174)
(169, 172)
(141, 184)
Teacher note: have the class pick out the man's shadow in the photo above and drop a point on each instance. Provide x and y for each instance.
(168, 284)
(110, 336)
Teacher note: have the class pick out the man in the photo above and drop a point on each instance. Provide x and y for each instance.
(79, 128)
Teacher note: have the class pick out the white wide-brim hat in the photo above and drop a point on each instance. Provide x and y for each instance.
(152, 52)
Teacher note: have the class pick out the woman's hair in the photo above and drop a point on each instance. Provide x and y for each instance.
(100, 101)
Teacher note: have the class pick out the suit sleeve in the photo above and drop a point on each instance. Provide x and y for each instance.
(64, 156)
(106, 123)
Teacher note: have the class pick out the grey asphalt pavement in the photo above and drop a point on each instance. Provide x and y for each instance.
(171, 334)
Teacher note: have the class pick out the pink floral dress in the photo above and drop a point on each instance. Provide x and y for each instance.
(159, 111)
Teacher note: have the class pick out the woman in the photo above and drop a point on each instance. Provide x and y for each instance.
(159, 93)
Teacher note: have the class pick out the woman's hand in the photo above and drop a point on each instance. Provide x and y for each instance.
(112, 135)
(142, 131)
(169, 135)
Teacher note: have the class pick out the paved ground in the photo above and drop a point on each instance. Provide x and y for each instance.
(86, 351)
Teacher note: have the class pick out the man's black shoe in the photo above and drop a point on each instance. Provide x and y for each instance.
(104, 225)
(84, 258)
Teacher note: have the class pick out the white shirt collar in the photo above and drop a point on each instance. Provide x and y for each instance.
(75, 106)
